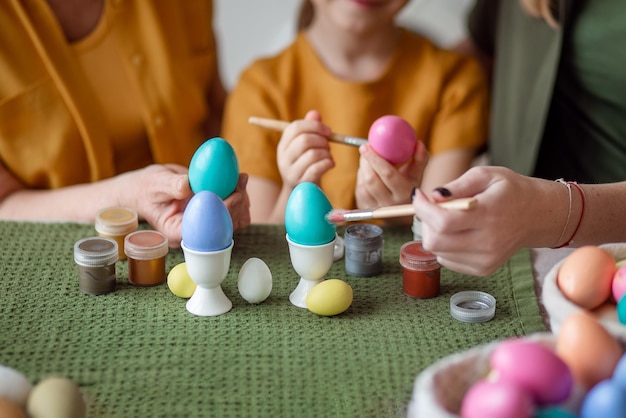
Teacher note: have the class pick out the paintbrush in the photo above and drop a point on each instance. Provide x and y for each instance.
(280, 125)
(339, 216)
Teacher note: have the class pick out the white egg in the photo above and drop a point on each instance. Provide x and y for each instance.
(14, 386)
(254, 280)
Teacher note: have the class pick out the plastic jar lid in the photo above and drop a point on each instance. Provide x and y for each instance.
(116, 221)
(473, 306)
(145, 245)
(414, 257)
(95, 252)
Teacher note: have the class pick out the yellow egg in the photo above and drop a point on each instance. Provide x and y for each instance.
(330, 297)
(586, 275)
(179, 282)
(56, 397)
(9, 409)
(588, 349)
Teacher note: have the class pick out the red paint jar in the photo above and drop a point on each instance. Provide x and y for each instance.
(421, 273)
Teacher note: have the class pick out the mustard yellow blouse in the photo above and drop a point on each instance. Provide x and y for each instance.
(53, 129)
(443, 95)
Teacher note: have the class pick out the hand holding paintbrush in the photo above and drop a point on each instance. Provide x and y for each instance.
(281, 125)
(339, 216)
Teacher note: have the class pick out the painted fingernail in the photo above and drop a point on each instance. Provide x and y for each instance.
(443, 191)
(413, 193)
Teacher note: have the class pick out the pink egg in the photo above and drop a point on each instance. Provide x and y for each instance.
(618, 285)
(501, 399)
(392, 138)
(535, 367)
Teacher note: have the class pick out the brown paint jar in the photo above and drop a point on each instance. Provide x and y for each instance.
(421, 273)
(146, 251)
(95, 258)
(116, 223)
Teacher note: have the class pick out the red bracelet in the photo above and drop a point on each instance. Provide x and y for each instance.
(582, 212)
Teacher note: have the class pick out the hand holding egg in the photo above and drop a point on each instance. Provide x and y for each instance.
(214, 167)
(392, 138)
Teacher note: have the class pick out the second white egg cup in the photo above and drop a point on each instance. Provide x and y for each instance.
(208, 269)
(311, 262)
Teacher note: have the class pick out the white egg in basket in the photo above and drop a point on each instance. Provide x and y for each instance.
(558, 307)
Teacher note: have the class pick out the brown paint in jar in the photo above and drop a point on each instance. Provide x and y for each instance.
(421, 273)
(146, 251)
(95, 259)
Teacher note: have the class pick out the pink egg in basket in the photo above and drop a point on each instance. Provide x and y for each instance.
(392, 138)
(618, 285)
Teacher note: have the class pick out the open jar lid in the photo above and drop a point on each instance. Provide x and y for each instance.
(472, 306)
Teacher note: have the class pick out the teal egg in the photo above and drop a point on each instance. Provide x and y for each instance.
(621, 310)
(214, 168)
(553, 412)
(305, 216)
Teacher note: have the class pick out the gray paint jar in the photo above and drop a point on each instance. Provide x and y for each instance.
(363, 250)
(95, 258)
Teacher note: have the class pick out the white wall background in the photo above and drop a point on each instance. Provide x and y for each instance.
(248, 29)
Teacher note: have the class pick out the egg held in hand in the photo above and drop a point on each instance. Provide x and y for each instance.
(207, 225)
(214, 167)
(305, 216)
(392, 138)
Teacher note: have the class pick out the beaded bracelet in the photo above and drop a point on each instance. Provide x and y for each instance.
(569, 185)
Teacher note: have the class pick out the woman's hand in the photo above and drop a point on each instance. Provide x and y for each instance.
(513, 212)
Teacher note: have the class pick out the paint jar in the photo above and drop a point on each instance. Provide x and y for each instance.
(116, 223)
(95, 258)
(146, 251)
(363, 249)
(421, 273)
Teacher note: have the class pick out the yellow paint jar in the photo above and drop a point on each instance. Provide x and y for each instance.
(116, 223)
(146, 251)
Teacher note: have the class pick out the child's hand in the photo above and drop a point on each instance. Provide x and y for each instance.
(381, 184)
(303, 153)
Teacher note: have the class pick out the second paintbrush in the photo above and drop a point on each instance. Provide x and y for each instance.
(280, 125)
(339, 216)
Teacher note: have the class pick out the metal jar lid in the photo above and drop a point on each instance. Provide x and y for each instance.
(473, 306)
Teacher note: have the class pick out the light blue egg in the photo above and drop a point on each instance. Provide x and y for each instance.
(619, 373)
(305, 216)
(207, 225)
(606, 399)
(214, 167)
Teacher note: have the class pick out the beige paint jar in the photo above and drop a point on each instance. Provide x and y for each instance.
(116, 223)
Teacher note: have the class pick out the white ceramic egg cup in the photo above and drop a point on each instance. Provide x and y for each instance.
(208, 269)
(311, 262)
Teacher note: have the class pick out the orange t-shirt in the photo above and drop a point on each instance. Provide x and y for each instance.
(442, 94)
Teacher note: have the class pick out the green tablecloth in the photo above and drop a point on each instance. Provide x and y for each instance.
(137, 352)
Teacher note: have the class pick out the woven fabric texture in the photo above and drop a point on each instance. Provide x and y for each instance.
(137, 352)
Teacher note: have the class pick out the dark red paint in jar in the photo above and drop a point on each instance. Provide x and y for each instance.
(421, 273)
